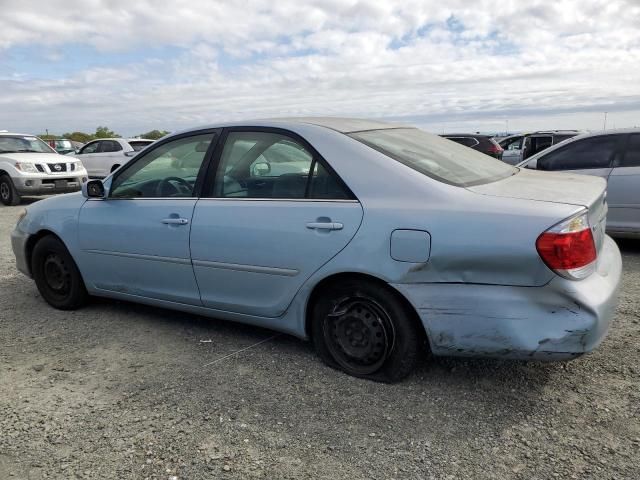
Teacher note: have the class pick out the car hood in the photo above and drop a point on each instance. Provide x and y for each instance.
(34, 157)
(582, 190)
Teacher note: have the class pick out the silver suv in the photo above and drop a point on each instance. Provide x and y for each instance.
(613, 155)
(522, 146)
(28, 166)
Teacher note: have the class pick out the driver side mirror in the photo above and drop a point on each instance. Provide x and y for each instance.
(93, 189)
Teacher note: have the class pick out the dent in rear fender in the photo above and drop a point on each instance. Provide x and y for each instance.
(515, 322)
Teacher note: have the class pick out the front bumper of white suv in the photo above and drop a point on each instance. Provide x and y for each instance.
(49, 184)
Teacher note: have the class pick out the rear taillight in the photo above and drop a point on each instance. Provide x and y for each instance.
(568, 248)
(495, 148)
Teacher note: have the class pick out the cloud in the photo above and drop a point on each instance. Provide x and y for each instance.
(178, 63)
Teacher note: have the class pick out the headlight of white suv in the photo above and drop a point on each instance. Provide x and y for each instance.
(26, 167)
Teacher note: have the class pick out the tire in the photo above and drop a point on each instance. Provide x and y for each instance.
(56, 274)
(8, 194)
(114, 168)
(365, 329)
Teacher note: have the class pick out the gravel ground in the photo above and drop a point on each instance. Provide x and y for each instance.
(118, 390)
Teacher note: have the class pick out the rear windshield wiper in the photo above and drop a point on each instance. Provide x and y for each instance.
(28, 150)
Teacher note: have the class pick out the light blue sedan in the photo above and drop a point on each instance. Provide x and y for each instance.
(377, 242)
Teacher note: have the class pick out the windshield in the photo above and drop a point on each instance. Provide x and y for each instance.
(19, 143)
(436, 157)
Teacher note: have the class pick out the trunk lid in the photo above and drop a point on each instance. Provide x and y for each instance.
(580, 190)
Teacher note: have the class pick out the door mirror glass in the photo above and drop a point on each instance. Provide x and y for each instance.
(93, 189)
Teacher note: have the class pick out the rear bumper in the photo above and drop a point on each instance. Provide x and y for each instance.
(561, 320)
(48, 184)
(19, 245)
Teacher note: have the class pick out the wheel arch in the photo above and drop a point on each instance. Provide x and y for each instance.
(345, 276)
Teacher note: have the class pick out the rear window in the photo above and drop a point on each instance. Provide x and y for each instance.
(138, 145)
(466, 141)
(436, 157)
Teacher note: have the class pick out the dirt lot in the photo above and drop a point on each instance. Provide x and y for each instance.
(118, 390)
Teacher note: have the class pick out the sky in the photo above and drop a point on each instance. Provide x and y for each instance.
(134, 66)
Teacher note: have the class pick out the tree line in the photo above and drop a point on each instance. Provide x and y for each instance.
(102, 132)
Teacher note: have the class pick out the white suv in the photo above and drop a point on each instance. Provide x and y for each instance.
(28, 166)
(103, 156)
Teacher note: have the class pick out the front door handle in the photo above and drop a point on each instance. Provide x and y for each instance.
(175, 221)
(325, 225)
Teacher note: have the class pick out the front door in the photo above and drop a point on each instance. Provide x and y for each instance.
(275, 214)
(136, 241)
(89, 155)
(623, 193)
(512, 153)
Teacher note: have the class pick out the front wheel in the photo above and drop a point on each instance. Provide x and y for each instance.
(56, 274)
(366, 330)
(8, 194)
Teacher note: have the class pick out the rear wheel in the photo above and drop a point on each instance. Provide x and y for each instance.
(366, 330)
(56, 274)
(8, 194)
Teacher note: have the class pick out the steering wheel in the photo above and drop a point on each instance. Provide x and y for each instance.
(182, 187)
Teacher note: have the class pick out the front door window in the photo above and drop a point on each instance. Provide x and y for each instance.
(169, 170)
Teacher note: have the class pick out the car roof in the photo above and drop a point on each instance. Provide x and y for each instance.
(13, 134)
(338, 124)
(473, 135)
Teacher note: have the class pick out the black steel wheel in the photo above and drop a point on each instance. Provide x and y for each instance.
(365, 329)
(56, 274)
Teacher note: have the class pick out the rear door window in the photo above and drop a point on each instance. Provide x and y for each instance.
(92, 147)
(539, 143)
(588, 153)
(632, 154)
(110, 146)
(513, 144)
(257, 164)
(466, 141)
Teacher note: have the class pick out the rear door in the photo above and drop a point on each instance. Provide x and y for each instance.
(624, 189)
(275, 213)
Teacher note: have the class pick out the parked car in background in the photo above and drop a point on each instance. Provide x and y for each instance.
(103, 156)
(61, 145)
(28, 166)
(613, 155)
(522, 146)
(481, 143)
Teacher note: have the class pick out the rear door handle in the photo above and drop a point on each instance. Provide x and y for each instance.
(175, 221)
(325, 225)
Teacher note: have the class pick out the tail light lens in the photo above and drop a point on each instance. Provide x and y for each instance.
(495, 148)
(568, 248)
